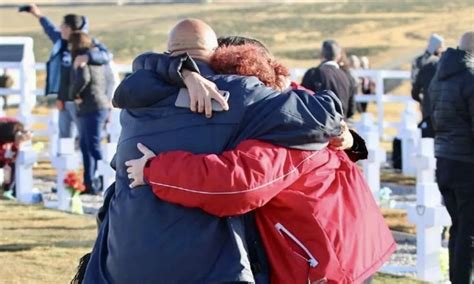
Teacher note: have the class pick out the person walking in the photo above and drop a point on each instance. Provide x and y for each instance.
(329, 76)
(423, 72)
(89, 91)
(452, 106)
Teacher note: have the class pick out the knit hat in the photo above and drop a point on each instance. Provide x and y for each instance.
(435, 42)
(466, 42)
(75, 22)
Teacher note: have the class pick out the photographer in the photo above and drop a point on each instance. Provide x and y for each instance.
(60, 62)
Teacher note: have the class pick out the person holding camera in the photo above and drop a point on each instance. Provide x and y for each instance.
(59, 65)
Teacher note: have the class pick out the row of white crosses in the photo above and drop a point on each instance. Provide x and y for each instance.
(428, 214)
(16, 53)
(371, 166)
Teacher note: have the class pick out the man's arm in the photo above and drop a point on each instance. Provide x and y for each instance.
(295, 119)
(232, 183)
(417, 86)
(155, 76)
(50, 29)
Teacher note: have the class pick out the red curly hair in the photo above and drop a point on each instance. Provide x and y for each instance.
(250, 60)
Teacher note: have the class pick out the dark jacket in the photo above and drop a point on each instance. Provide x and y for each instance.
(60, 61)
(421, 85)
(353, 87)
(417, 64)
(452, 106)
(328, 77)
(89, 84)
(146, 240)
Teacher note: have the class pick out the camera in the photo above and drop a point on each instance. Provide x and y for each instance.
(24, 8)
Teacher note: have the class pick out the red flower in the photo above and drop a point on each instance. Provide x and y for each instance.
(73, 182)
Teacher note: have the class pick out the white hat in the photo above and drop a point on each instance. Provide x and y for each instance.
(435, 42)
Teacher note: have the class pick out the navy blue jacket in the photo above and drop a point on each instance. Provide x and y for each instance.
(146, 240)
(60, 61)
(452, 106)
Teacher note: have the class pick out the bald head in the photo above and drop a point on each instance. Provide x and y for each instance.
(466, 42)
(192, 36)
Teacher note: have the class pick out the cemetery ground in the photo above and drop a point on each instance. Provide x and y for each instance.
(39, 245)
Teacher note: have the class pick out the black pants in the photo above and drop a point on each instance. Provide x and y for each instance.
(456, 183)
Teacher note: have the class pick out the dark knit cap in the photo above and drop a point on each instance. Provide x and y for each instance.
(75, 22)
(331, 50)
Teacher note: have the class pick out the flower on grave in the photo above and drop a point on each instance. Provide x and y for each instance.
(74, 183)
(385, 199)
(444, 262)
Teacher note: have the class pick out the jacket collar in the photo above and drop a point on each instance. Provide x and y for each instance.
(331, 63)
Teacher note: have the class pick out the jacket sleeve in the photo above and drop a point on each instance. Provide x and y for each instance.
(469, 92)
(294, 119)
(232, 183)
(416, 87)
(80, 79)
(155, 76)
(141, 89)
(98, 55)
(50, 29)
(358, 151)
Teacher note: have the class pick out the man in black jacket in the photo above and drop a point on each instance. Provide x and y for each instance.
(328, 76)
(452, 106)
(423, 71)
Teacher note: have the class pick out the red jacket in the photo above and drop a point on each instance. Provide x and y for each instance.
(314, 210)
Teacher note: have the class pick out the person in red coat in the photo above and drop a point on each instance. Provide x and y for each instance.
(12, 133)
(314, 210)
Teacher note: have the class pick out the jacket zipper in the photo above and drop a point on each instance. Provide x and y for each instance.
(282, 230)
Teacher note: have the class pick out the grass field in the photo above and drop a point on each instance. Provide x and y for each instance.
(384, 30)
(41, 246)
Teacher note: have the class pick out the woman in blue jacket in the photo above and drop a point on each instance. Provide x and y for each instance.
(60, 62)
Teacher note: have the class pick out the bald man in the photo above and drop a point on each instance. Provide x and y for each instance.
(146, 240)
(452, 106)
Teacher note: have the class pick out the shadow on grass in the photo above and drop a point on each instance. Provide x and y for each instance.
(61, 244)
(92, 227)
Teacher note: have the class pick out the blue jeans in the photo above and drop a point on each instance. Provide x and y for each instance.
(68, 120)
(90, 127)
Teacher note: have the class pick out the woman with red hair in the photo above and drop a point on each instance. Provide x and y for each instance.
(317, 218)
